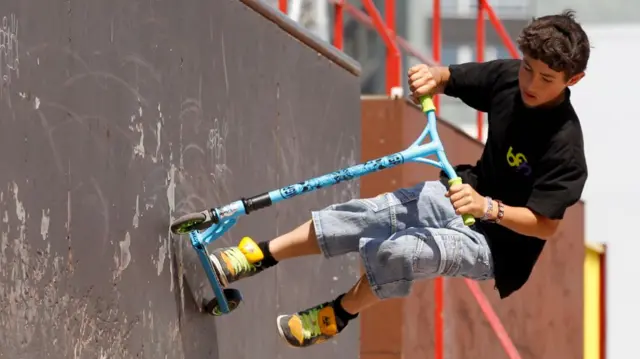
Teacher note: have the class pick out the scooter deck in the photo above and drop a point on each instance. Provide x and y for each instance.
(196, 278)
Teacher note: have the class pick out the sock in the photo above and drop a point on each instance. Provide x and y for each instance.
(268, 260)
(341, 313)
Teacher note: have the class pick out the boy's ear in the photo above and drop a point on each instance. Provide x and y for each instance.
(575, 79)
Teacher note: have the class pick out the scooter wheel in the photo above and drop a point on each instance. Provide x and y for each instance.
(190, 222)
(234, 298)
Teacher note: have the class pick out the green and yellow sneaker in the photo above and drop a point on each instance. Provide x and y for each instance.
(311, 326)
(234, 263)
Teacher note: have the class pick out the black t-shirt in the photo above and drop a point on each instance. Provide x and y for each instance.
(532, 158)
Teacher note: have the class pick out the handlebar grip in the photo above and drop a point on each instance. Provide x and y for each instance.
(427, 104)
(468, 219)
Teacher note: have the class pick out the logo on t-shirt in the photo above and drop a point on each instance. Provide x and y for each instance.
(519, 161)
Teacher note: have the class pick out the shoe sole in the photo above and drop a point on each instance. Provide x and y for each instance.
(281, 332)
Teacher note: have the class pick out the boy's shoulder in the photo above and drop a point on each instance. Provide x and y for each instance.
(568, 138)
(478, 83)
(507, 66)
(559, 142)
(505, 72)
(562, 121)
(497, 68)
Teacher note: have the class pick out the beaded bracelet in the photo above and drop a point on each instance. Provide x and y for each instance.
(500, 211)
(486, 215)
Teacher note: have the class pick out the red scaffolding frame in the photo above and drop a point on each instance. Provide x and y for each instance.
(386, 29)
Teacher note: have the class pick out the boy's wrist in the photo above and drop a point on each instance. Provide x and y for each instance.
(488, 212)
(494, 210)
(441, 76)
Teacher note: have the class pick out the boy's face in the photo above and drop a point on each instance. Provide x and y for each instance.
(540, 85)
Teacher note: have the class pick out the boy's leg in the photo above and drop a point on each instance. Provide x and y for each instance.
(425, 239)
(250, 258)
(333, 231)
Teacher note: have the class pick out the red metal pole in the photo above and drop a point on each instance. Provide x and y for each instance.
(480, 57)
(338, 27)
(390, 16)
(365, 20)
(494, 321)
(282, 4)
(500, 30)
(393, 66)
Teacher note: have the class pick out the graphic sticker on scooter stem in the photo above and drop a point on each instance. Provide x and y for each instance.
(341, 175)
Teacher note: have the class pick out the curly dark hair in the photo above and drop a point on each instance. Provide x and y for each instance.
(558, 41)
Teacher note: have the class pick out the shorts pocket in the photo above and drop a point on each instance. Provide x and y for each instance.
(387, 200)
(483, 268)
(451, 254)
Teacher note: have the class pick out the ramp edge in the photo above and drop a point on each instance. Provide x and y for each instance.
(304, 35)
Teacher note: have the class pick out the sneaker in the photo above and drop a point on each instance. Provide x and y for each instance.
(311, 326)
(234, 263)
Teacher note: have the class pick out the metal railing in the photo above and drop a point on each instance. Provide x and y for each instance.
(386, 29)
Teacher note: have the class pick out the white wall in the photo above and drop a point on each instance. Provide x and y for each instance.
(592, 11)
(607, 102)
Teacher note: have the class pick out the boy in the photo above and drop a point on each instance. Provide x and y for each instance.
(532, 168)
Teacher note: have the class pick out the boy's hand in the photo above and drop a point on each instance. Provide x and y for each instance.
(466, 200)
(422, 82)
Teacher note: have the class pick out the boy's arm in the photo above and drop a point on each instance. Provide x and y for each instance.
(524, 221)
(471, 82)
(560, 177)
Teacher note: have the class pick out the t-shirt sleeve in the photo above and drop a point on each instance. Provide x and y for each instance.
(474, 82)
(560, 177)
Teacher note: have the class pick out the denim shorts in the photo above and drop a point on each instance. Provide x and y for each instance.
(403, 236)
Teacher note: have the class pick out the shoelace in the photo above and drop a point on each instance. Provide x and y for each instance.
(310, 326)
(239, 261)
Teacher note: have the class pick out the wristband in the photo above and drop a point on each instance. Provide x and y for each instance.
(487, 213)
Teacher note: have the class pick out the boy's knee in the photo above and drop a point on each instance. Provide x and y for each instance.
(391, 262)
(397, 254)
(397, 289)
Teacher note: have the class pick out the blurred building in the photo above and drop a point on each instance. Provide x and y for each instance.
(414, 21)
